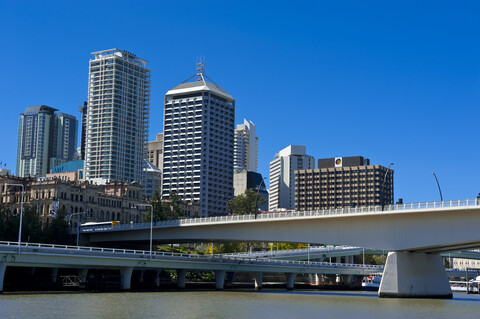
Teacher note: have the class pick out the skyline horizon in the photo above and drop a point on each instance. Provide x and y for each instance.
(390, 83)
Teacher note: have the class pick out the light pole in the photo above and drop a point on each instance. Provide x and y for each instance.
(256, 197)
(151, 224)
(383, 185)
(78, 223)
(21, 214)
(438, 184)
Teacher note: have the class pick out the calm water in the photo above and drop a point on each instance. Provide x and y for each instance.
(233, 304)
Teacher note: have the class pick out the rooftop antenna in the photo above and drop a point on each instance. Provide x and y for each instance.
(200, 68)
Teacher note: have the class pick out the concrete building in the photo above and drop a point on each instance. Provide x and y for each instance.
(83, 109)
(112, 201)
(343, 182)
(117, 117)
(282, 176)
(45, 139)
(155, 151)
(69, 171)
(245, 156)
(198, 143)
(243, 180)
(153, 180)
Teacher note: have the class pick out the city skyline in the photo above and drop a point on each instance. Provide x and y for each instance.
(398, 84)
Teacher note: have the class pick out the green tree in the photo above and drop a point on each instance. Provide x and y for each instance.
(246, 203)
(165, 210)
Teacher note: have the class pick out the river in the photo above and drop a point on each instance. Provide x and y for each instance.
(231, 304)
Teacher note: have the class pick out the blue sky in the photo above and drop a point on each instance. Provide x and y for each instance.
(394, 81)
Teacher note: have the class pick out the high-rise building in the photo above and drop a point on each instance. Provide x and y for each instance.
(282, 175)
(45, 139)
(343, 182)
(243, 180)
(246, 147)
(198, 143)
(117, 117)
(155, 151)
(83, 109)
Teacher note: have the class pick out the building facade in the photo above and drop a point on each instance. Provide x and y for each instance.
(246, 147)
(110, 202)
(45, 139)
(198, 144)
(243, 180)
(83, 110)
(343, 182)
(282, 176)
(117, 117)
(155, 151)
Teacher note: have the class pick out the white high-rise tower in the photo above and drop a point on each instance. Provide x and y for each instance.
(198, 143)
(246, 147)
(117, 117)
(282, 175)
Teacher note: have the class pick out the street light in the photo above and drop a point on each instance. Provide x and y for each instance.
(21, 214)
(383, 185)
(256, 197)
(151, 223)
(78, 223)
(441, 197)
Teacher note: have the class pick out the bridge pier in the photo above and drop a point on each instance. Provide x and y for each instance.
(82, 274)
(219, 279)
(290, 280)
(157, 278)
(414, 275)
(126, 277)
(181, 278)
(53, 274)
(3, 267)
(258, 280)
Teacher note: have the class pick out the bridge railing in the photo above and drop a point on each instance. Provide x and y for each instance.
(292, 214)
(99, 252)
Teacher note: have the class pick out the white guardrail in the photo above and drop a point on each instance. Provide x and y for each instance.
(291, 214)
(98, 252)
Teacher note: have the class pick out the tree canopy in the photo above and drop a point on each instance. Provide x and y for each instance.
(246, 203)
(165, 210)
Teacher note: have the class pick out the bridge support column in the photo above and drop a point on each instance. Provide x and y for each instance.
(181, 278)
(126, 277)
(258, 280)
(82, 274)
(219, 279)
(141, 276)
(3, 267)
(53, 274)
(414, 275)
(157, 278)
(290, 280)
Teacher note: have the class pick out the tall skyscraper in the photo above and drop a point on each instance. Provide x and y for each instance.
(246, 147)
(45, 139)
(155, 151)
(198, 143)
(282, 175)
(343, 182)
(117, 117)
(83, 109)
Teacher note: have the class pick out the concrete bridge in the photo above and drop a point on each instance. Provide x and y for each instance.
(414, 234)
(126, 261)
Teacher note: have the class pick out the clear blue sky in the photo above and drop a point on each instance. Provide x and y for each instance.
(394, 81)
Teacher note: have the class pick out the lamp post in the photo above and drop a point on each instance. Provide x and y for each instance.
(383, 185)
(21, 214)
(256, 197)
(78, 223)
(151, 223)
(438, 184)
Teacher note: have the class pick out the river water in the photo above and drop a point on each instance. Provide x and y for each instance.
(231, 304)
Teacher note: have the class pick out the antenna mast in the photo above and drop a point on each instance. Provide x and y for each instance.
(200, 68)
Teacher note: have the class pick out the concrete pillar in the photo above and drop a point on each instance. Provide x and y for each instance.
(31, 271)
(219, 279)
(181, 278)
(3, 267)
(414, 275)
(258, 280)
(53, 274)
(157, 278)
(338, 278)
(290, 280)
(141, 276)
(82, 274)
(126, 277)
